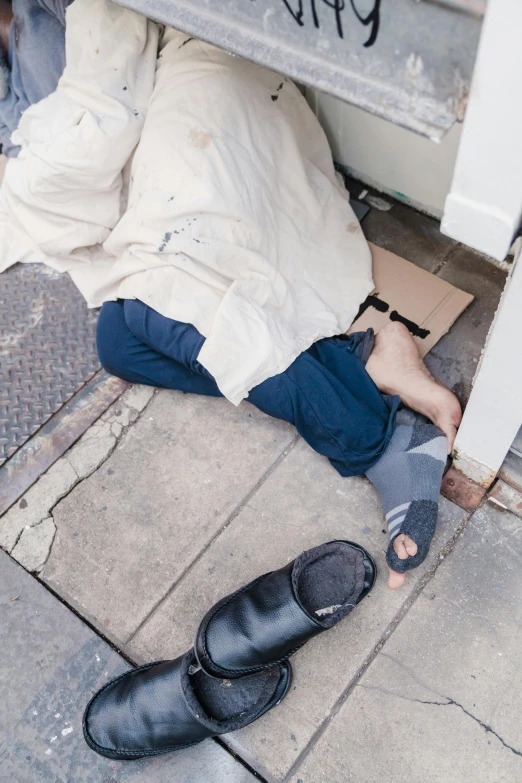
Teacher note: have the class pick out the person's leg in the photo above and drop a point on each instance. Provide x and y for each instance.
(396, 367)
(338, 410)
(326, 393)
(179, 341)
(336, 407)
(124, 355)
(32, 59)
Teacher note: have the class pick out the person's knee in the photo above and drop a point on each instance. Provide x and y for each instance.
(134, 312)
(110, 338)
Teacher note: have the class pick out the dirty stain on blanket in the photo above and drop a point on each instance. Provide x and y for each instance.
(166, 240)
(200, 138)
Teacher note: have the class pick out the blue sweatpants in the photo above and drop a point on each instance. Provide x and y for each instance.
(326, 393)
(35, 61)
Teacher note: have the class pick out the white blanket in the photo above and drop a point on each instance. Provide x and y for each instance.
(235, 220)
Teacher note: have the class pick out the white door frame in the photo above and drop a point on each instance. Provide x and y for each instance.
(483, 210)
(484, 205)
(494, 412)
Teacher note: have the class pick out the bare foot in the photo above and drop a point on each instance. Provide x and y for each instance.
(404, 547)
(396, 367)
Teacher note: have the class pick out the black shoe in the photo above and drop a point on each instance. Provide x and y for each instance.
(272, 617)
(166, 706)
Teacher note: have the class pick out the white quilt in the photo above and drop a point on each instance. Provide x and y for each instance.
(234, 219)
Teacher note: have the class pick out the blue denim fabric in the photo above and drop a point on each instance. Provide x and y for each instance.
(326, 393)
(35, 61)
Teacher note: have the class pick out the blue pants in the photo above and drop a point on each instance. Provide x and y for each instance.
(326, 393)
(35, 61)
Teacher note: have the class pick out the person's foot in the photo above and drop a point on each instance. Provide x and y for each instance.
(404, 547)
(396, 367)
(407, 477)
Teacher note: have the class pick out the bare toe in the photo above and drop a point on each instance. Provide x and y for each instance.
(399, 545)
(410, 546)
(395, 580)
(404, 547)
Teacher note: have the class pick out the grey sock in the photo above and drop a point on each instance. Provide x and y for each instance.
(407, 478)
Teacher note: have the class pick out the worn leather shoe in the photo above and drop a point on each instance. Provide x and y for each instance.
(272, 617)
(169, 705)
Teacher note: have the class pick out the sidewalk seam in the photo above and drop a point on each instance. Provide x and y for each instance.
(233, 514)
(240, 760)
(392, 626)
(446, 258)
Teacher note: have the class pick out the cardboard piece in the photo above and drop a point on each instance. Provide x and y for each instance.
(403, 292)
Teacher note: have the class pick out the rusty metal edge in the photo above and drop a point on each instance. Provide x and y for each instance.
(57, 436)
(461, 490)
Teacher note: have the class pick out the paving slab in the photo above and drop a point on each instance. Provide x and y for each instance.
(51, 664)
(441, 702)
(129, 531)
(409, 234)
(454, 359)
(303, 503)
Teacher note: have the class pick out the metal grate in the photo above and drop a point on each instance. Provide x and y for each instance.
(47, 349)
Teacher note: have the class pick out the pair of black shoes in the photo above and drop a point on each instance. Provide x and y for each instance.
(238, 669)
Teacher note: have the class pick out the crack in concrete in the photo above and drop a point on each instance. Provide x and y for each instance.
(34, 545)
(406, 606)
(448, 703)
(485, 726)
(117, 440)
(90, 435)
(49, 513)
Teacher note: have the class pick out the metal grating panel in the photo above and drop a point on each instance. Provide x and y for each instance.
(408, 62)
(47, 349)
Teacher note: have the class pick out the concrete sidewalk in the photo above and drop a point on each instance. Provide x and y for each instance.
(171, 501)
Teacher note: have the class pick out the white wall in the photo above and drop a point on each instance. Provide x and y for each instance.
(484, 207)
(394, 160)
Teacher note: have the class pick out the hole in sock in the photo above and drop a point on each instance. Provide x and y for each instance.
(329, 581)
(225, 700)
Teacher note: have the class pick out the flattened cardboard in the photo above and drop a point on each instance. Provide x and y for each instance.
(404, 291)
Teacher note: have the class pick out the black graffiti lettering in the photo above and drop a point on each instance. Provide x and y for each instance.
(373, 18)
(298, 15)
(338, 6)
(314, 13)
